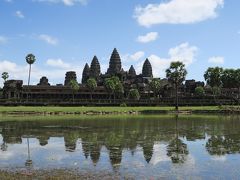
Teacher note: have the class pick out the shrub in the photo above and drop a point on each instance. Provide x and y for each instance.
(123, 105)
(199, 91)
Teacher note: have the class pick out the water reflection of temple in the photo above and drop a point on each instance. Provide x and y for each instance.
(118, 135)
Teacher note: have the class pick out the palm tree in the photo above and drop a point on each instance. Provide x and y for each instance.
(119, 90)
(30, 59)
(176, 74)
(214, 77)
(155, 86)
(91, 85)
(113, 86)
(5, 76)
(74, 86)
(109, 85)
(134, 94)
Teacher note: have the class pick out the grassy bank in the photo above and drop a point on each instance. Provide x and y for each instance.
(60, 174)
(96, 109)
(112, 110)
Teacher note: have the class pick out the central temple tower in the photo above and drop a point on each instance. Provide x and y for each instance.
(115, 64)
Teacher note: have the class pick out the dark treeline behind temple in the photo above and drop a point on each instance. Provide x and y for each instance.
(120, 87)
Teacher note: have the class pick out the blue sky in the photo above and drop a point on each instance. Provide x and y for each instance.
(65, 34)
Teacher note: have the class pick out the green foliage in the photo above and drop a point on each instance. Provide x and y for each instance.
(228, 78)
(119, 90)
(109, 84)
(123, 105)
(91, 84)
(84, 109)
(114, 86)
(213, 76)
(155, 86)
(134, 94)
(216, 91)
(74, 85)
(199, 91)
(5, 76)
(219, 77)
(30, 59)
(176, 73)
(1, 92)
(237, 77)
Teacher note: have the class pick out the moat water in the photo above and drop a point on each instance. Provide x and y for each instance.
(137, 147)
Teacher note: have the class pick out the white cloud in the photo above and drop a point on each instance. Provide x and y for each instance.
(138, 55)
(48, 39)
(58, 63)
(15, 71)
(72, 2)
(216, 60)
(3, 39)
(177, 12)
(19, 14)
(133, 57)
(183, 52)
(9, 1)
(152, 36)
(66, 2)
(55, 75)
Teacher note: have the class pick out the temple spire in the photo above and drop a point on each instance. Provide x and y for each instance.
(115, 64)
(86, 73)
(147, 69)
(95, 69)
(132, 71)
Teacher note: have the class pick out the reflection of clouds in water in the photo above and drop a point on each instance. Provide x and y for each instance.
(56, 157)
(1, 139)
(190, 161)
(219, 158)
(5, 155)
(54, 151)
(159, 154)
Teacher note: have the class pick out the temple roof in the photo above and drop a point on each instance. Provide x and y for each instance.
(147, 69)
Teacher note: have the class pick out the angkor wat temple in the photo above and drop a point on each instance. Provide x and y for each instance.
(61, 94)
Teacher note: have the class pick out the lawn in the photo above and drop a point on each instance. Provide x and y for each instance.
(82, 109)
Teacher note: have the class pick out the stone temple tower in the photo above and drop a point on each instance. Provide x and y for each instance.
(115, 64)
(70, 75)
(86, 73)
(147, 69)
(95, 69)
(132, 71)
